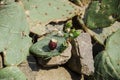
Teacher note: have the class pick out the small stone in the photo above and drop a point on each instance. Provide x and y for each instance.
(82, 59)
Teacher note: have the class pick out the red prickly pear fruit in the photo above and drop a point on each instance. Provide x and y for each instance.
(52, 44)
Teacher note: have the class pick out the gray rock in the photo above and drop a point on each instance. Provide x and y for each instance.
(82, 58)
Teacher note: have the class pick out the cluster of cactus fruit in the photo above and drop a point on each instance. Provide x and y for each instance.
(70, 31)
(19, 17)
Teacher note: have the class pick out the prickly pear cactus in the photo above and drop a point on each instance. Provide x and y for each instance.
(14, 30)
(11, 73)
(107, 63)
(41, 48)
(102, 14)
(41, 12)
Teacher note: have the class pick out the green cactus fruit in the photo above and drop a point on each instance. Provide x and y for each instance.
(107, 63)
(14, 34)
(41, 48)
(68, 24)
(11, 73)
(42, 12)
(100, 15)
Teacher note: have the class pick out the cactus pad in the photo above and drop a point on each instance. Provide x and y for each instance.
(45, 11)
(107, 63)
(11, 73)
(14, 30)
(102, 14)
(41, 48)
(41, 12)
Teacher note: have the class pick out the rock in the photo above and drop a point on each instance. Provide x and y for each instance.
(82, 58)
(57, 60)
(59, 73)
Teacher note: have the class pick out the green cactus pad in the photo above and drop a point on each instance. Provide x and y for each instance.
(49, 10)
(11, 73)
(14, 31)
(41, 12)
(41, 49)
(107, 63)
(103, 14)
(112, 7)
